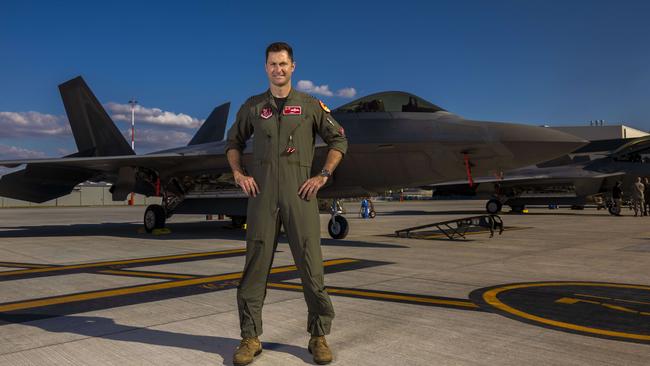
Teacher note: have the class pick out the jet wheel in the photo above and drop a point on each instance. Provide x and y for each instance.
(338, 227)
(493, 206)
(614, 210)
(154, 218)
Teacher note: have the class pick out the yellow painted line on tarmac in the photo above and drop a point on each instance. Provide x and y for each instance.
(380, 295)
(609, 298)
(145, 288)
(23, 265)
(120, 262)
(491, 297)
(573, 301)
(146, 274)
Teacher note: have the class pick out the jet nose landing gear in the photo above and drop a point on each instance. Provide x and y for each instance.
(337, 227)
(154, 218)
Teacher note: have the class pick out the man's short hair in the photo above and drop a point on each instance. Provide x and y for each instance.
(279, 47)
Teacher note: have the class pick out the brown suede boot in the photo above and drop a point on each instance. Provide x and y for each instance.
(320, 350)
(247, 350)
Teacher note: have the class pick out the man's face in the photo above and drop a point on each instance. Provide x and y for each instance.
(279, 68)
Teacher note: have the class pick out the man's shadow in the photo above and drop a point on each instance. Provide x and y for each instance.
(106, 328)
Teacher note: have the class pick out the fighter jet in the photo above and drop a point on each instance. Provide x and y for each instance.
(585, 176)
(396, 140)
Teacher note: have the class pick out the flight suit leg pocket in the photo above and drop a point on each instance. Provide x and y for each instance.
(320, 309)
(312, 263)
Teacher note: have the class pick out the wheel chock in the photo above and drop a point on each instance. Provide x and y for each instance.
(161, 231)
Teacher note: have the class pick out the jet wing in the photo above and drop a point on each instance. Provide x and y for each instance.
(538, 178)
(114, 163)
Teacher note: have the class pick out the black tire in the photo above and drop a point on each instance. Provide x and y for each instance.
(238, 221)
(493, 206)
(154, 218)
(614, 210)
(338, 227)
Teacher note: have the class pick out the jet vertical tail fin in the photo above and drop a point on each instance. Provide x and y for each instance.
(95, 135)
(214, 127)
(93, 130)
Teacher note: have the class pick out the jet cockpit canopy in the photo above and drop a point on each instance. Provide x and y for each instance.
(390, 101)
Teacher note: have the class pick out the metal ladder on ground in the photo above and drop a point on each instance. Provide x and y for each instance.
(457, 228)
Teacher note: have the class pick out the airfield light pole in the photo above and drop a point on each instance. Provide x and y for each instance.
(132, 102)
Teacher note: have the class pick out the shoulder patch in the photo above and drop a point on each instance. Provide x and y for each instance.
(322, 105)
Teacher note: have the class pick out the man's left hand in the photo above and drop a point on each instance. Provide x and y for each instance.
(311, 187)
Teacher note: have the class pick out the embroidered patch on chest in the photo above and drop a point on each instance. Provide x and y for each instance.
(292, 109)
(267, 112)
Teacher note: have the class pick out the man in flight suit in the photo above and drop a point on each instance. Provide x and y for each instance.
(283, 123)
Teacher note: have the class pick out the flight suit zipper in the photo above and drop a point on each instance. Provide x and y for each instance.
(279, 155)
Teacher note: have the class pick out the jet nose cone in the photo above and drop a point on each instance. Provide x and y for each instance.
(532, 144)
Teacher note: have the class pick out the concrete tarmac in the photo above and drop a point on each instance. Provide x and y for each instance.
(85, 286)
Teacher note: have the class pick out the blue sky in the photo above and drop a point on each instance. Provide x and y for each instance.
(534, 62)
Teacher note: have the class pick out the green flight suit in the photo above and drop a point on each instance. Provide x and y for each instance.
(283, 150)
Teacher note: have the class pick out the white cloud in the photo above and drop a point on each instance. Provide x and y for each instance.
(151, 139)
(308, 86)
(20, 124)
(15, 153)
(156, 116)
(346, 93)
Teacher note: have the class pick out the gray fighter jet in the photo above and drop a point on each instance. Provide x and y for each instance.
(396, 140)
(585, 176)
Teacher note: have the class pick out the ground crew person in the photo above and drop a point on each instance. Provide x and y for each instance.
(283, 123)
(637, 197)
(617, 197)
(646, 196)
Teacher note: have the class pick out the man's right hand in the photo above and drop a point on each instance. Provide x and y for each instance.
(247, 184)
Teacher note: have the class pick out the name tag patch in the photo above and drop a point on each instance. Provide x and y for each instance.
(292, 109)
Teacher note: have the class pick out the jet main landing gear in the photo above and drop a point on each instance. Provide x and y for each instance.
(493, 206)
(154, 218)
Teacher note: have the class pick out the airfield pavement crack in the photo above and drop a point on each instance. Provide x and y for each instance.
(37, 259)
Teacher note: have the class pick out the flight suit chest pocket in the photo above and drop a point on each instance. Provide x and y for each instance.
(264, 130)
(297, 133)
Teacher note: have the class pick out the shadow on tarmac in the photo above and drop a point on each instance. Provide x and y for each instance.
(462, 213)
(179, 231)
(106, 328)
(430, 213)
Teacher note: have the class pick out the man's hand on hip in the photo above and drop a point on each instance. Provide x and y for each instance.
(311, 187)
(247, 184)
